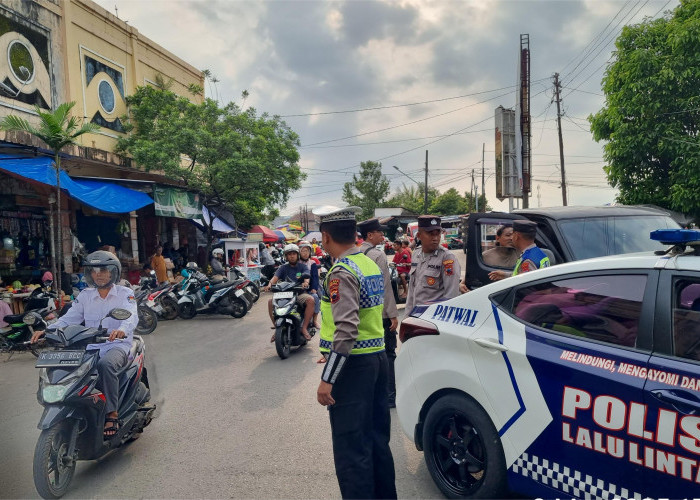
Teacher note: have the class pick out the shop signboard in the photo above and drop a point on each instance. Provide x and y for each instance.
(171, 202)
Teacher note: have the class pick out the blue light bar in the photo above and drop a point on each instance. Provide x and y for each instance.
(675, 236)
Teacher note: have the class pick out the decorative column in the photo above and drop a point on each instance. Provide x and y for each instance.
(133, 232)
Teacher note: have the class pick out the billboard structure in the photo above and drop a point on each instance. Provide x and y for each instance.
(507, 177)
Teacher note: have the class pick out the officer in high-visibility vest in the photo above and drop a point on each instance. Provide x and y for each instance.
(354, 379)
(531, 256)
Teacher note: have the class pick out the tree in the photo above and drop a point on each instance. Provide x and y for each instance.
(412, 198)
(233, 159)
(652, 114)
(449, 203)
(372, 187)
(470, 203)
(57, 129)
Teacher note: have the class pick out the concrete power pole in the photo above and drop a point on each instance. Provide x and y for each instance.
(425, 196)
(483, 182)
(557, 90)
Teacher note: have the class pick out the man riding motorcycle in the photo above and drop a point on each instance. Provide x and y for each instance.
(294, 271)
(217, 268)
(102, 270)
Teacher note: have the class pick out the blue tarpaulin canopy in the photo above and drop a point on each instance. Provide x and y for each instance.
(104, 196)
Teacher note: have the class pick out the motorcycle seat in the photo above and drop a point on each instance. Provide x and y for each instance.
(13, 318)
(219, 286)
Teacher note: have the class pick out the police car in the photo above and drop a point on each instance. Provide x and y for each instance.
(577, 381)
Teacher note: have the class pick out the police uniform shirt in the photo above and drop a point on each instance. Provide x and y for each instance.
(433, 276)
(89, 307)
(344, 291)
(390, 310)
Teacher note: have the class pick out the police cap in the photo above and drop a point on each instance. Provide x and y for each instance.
(429, 222)
(371, 225)
(340, 215)
(525, 227)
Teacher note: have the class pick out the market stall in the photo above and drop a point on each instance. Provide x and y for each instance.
(244, 254)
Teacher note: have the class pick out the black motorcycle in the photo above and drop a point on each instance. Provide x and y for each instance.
(72, 425)
(199, 296)
(16, 336)
(288, 317)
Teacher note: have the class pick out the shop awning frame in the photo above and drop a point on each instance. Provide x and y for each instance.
(101, 195)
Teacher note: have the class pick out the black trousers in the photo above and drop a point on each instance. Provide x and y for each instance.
(361, 428)
(390, 346)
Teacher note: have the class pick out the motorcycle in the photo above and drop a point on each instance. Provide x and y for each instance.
(72, 424)
(288, 317)
(252, 288)
(148, 318)
(15, 337)
(198, 296)
(395, 282)
(161, 299)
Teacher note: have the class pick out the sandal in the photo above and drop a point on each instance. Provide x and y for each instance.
(111, 431)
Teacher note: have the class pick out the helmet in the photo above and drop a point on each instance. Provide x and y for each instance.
(217, 251)
(261, 246)
(291, 248)
(102, 260)
(304, 243)
(192, 266)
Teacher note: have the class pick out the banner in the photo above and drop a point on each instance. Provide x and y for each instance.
(171, 202)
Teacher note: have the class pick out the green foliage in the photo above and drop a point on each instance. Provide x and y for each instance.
(448, 203)
(232, 158)
(412, 198)
(652, 114)
(372, 187)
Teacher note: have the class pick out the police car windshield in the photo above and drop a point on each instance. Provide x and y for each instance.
(600, 236)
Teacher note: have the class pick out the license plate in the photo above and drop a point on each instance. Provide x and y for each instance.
(238, 293)
(59, 358)
(283, 295)
(156, 307)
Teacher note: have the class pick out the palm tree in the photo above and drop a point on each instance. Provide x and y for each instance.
(57, 129)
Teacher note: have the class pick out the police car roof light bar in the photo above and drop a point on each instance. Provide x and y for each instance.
(676, 236)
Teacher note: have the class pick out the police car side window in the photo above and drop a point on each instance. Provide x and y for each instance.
(606, 308)
(686, 319)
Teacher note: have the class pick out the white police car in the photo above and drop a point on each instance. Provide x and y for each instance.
(581, 380)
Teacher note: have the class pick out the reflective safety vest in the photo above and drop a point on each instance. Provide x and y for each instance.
(534, 254)
(370, 329)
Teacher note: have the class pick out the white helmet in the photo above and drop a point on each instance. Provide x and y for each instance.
(291, 248)
(217, 251)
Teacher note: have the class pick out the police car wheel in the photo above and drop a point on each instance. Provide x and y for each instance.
(462, 449)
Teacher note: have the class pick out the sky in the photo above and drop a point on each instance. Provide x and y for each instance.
(387, 80)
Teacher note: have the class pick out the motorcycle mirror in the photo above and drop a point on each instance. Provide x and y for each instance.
(120, 314)
(152, 273)
(31, 318)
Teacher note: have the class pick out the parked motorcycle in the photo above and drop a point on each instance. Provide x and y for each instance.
(72, 425)
(199, 296)
(395, 282)
(148, 318)
(15, 337)
(288, 317)
(252, 288)
(162, 298)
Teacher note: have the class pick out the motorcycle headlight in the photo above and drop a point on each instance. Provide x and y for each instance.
(53, 393)
(283, 311)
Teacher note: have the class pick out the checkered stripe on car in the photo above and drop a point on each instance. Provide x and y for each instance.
(570, 481)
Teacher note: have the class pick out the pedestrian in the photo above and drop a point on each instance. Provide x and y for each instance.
(354, 380)
(158, 265)
(434, 269)
(531, 256)
(373, 234)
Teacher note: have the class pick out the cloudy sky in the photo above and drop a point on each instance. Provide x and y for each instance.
(435, 69)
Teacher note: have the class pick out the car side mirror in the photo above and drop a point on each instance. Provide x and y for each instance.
(119, 314)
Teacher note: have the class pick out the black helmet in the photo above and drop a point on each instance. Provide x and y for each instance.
(101, 260)
(261, 246)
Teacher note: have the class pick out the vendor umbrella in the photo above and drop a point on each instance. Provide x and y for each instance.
(269, 236)
(287, 235)
(313, 234)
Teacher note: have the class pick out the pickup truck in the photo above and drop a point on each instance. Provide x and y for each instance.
(567, 234)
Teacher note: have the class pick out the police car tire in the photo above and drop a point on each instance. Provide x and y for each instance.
(484, 444)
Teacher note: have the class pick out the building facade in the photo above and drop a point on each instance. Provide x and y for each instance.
(58, 51)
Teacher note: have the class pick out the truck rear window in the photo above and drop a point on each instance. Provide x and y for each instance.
(600, 236)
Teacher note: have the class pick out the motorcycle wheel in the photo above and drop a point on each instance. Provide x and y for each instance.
(282, 341)
(186, 310)
(255, 291)
(148, 320)
(169, 308)
(238, 308)
(51, 476)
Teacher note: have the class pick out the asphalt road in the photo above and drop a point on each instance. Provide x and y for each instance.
(233, 420)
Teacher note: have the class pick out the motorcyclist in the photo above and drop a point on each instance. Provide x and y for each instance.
(294, 271)
(306, 256)
(102, 270)
(266, 261)
(217, 256)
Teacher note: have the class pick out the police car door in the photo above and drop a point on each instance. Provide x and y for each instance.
(669, 448)
(587, 339)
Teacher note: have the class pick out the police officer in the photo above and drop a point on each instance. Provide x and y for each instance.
(354, 379)
(373, 234)
(102, 271)
(531, 256)
(434, 269)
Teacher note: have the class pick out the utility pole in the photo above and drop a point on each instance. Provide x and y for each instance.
(557, 89)
(425, 197)
(483, 185)
(475, 195)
